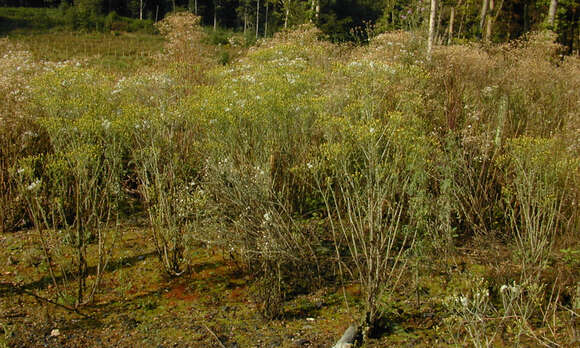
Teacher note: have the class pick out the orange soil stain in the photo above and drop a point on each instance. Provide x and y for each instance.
(180, 292)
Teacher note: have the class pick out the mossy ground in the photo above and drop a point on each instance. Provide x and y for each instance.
(153, 310)
(138, 305)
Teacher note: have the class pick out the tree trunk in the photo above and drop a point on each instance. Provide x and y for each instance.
(195, 7)
(438, 26)
(451, 21)
(431, 28)
(257, 19)
(552, 13)
(245, 19)
(266, 20)
(317, 13)
(462, 21)
(526, 19)
(214, 15)
(484, 6)
(489, 23)
(140, 10)
(286, 18)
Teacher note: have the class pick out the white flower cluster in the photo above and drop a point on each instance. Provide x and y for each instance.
(248, 78)
(150, 81)
(286, 62)
(106, 124)
(489, 90)
(30, 134)
(509, 293)
(510, 288)
(290, 78)
(143, 124)
(360, 66)
(34, 185)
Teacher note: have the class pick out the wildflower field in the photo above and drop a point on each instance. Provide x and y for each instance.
(162, 191)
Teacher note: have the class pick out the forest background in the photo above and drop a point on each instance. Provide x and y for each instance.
(456, 20)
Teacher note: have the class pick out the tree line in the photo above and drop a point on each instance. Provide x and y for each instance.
(455, 20)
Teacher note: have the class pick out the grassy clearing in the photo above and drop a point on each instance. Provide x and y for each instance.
(299, 188)
(112, 53)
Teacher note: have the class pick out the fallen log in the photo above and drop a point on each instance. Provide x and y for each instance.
(348, 338)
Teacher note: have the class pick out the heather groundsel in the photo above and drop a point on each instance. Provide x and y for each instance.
(261, 123)
(312, 167)
(74, 193)
(541, 184)
(377, 171)
(75, 189)
(167, 162)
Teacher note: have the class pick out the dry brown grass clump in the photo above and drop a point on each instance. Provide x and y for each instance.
(394, 47)
(183, 33)
(185, 53)
(305, 33)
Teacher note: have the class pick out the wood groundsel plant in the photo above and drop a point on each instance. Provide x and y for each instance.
(167, 184)
(371, 199)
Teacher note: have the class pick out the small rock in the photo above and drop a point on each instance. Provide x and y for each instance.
(309, 319)
(55, 333)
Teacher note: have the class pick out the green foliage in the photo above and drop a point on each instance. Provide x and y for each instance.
(19, 19)
(218, 37)
(6, 335)
(84, 16)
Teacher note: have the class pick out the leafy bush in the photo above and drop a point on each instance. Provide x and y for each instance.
(217, 37)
